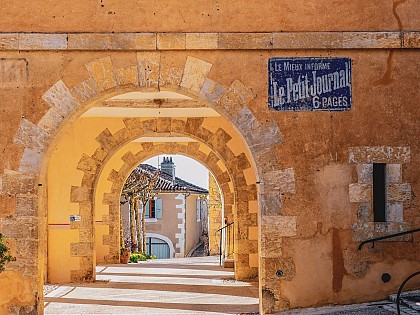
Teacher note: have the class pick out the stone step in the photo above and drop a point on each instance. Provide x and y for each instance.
(228, 263)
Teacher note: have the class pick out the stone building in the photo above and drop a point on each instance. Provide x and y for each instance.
(89, 90)
(176, 217)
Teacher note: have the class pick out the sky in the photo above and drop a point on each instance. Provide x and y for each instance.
(185, 168)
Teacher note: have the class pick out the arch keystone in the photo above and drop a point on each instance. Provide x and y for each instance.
(148, 68)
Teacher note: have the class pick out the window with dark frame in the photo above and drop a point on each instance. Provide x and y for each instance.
(379, 192)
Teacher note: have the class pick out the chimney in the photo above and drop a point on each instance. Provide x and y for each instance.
(168, 167)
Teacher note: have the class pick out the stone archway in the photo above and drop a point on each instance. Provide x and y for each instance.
(28, 186)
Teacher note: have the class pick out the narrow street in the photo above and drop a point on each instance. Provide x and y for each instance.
(168, 286)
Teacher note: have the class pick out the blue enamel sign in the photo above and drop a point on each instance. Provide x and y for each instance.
(309, 84)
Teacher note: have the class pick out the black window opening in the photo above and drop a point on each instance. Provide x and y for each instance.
(379, 192)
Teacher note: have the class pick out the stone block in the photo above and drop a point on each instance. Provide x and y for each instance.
(88, 164)
(60, 97)
(110, 199)
(195, 73)
(31, 136)
(7, 205)
(271, 245)
(38, 41)
(360, 192)
(393, 173)
(398, 192)
(148, 64)
(253, 206)
(110, 41)
(127, 75)
(271, 266)
(15, 183)
(30, 161)
(51, 120)
(170, 41)
(411, 39)
(253, 233)
(364, 173)
(365, 213)
(284, 226)
(106, 140)
(102, 72)
(246, 246)
(271, 204)
(236, 97)
(85, 91)
(283, 180)
(212, 91)
(201, 41)
(364, 231)
(245, 41)
(245, 121)
(80, 194)
(170, 76)
(9, 41)
(336, 40)
(264, 136)
(163, 124)
(253, 260)
(81, 249)
(395, 212)
(384, 154)
(27, 205)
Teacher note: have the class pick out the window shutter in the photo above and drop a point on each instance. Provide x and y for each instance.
(198, 209)
(147, 210)
(158, 205)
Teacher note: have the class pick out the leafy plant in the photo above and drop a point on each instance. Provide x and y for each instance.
(4, 254)
(136, 257)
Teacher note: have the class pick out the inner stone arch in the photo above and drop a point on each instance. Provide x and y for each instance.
(132, 160)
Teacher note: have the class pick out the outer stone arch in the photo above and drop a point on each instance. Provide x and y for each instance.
(261, 134)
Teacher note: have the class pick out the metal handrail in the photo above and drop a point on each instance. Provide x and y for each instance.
(401, 288)
(224, 228)
(373, 240)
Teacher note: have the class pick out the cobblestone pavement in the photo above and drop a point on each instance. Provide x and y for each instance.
(189, 286)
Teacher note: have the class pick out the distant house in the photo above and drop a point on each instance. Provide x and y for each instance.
(176, 218)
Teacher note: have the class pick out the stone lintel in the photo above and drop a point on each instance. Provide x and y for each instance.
(379, 154)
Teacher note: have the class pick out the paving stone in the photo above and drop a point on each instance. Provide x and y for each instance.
(195, 73)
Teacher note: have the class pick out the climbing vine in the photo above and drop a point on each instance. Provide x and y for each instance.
(4, 254)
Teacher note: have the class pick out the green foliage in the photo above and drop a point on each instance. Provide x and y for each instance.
(4, 254)
(136, 257)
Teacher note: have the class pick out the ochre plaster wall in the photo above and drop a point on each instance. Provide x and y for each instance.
(315, 145)
(208, 16)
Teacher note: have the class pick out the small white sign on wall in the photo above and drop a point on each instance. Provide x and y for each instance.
(75, 218)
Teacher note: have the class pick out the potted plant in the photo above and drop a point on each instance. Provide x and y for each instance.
(4, 254)
(124, 255)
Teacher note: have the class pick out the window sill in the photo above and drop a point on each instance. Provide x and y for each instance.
(154, 220)
(368, 230)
